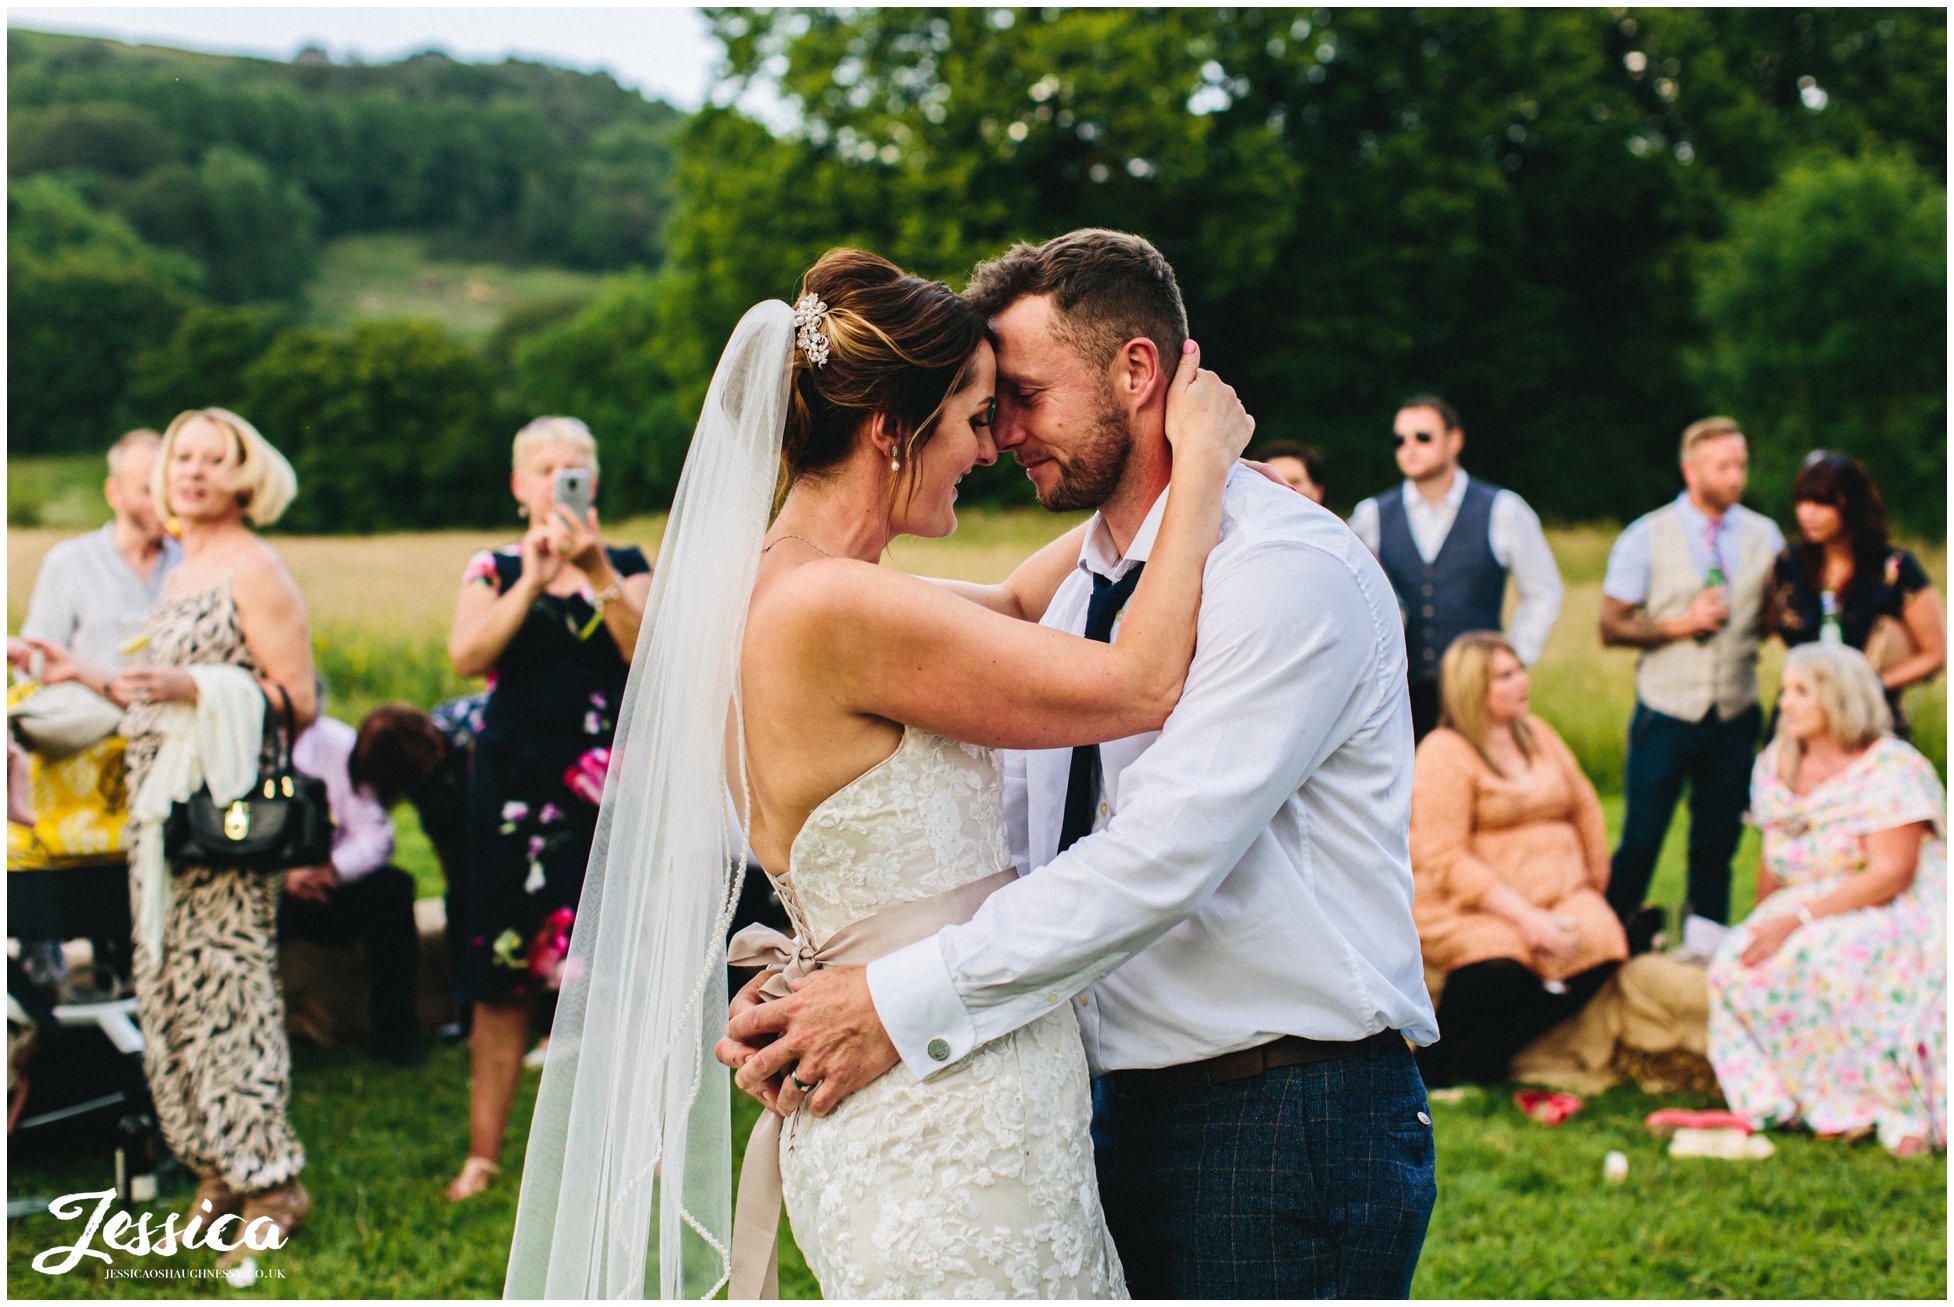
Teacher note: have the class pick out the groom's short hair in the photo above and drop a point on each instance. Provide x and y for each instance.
(1108, 287)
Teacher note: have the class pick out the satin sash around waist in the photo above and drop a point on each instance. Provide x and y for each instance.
(756, 1213)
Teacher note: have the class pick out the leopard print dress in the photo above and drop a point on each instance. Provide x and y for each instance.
(218, 1062)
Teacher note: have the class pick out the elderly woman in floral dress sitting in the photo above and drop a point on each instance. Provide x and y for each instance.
(1828, 1006)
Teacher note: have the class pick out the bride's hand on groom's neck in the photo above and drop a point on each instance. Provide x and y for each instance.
(1205, 418)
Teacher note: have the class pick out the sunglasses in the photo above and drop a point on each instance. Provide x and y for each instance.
(1422, 437)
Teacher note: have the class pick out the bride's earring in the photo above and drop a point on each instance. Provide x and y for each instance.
(895, 465)
(522, 511)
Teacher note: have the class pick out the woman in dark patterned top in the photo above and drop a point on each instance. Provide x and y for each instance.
(552, 621)
(1843, 575)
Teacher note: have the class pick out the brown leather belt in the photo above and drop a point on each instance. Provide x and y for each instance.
(1290, 1050)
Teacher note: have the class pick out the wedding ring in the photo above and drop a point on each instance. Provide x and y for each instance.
(804, 1088)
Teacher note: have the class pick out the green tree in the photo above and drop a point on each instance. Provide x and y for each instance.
(118, 140)
(85, 294)
(203, 362)
(261, 231)
(391, 425)
(604, 366)
(1500, 205)
(1826, 311)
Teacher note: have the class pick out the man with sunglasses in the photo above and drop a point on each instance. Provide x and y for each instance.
(1448, 541)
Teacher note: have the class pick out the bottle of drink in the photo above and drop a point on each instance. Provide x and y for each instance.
(1714, 579)
(135, 1158)
(1829, 630)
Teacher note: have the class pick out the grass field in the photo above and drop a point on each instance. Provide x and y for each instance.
(1523, 1211)
(381, 608)
(388, 276)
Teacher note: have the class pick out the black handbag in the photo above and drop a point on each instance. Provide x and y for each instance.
(284, 821)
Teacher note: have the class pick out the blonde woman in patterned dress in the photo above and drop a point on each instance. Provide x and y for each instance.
(216, 1057)
(1828, 1006)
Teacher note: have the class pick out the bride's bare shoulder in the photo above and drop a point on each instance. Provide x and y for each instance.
(835, 592)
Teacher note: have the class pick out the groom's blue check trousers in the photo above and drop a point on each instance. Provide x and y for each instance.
(1312, 1181)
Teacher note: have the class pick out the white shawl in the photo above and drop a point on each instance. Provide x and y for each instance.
(213, 743)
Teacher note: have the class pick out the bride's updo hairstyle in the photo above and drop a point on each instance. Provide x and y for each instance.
(896, 344)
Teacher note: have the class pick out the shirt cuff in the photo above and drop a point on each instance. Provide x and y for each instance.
(920, 1008)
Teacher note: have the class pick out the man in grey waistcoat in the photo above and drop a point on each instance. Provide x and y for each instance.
(1448, 542)
(1686, 586)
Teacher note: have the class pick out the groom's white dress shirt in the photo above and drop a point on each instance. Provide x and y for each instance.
(1249, 873)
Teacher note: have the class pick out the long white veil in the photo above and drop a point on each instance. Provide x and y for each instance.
(632, 1134)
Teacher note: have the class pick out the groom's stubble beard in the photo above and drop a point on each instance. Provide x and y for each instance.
(1097, 463)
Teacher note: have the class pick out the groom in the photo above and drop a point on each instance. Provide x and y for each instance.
(1233, 923)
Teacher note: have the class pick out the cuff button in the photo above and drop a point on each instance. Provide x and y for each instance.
(939, 1050)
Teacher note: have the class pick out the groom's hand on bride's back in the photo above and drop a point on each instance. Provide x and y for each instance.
(827, 1042)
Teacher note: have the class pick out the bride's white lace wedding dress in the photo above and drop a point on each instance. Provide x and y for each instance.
(977, 1183)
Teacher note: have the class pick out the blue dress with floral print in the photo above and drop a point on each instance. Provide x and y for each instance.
(534, 786)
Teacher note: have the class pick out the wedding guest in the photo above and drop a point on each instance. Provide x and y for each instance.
(92, 591)
(207, 994)
(359, 894)
(1510, 859)
(403, 753)
(1297, 464)
(89, 599)
(1844, 582)
(1448, 543)
(552, 620)
(1685, 584)
(1828, 1005)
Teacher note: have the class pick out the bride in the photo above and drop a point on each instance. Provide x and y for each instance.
(849, 710)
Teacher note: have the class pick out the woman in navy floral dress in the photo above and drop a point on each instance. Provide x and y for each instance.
(552, 621)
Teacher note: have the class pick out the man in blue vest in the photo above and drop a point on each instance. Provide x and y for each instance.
(1447, 542)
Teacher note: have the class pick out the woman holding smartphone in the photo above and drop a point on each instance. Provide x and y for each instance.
(551, 620)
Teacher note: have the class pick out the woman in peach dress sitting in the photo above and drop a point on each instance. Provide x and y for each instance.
(1510, 860)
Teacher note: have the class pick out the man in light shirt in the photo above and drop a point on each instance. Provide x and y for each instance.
(1686, 585)
(1448, 542)
(358, 895)
(1233, 924)
(90, 601)
(93, 592)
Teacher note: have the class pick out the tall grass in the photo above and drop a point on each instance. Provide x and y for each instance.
(381, 607)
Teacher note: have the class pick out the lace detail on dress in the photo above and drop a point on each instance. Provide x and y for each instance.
(927, 818)
(979, 1182)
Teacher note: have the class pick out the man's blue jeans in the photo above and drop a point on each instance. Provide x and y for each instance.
(1714, 758)
(1310, 1181)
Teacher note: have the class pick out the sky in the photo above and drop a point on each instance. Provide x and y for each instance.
(661, 51)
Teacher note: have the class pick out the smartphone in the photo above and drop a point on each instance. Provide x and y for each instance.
(573, 491)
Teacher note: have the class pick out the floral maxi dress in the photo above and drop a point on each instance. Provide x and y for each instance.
(1843, 1027)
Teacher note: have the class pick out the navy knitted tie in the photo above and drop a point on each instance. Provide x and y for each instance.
(1082, 787)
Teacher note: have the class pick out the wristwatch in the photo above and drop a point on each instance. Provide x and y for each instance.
(613, 591)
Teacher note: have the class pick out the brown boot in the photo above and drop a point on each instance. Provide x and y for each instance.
(285, 1205)
(223, 1200)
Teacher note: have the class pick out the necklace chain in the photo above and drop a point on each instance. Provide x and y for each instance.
(789, 535)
